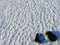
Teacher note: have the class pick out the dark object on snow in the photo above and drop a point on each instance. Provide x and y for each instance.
(51, 36)
(39, 38)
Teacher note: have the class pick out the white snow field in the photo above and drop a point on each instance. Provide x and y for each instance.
(20, 20)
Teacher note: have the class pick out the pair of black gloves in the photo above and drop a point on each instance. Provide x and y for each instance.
(40, 37)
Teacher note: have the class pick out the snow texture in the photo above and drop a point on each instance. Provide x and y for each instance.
(20, 20)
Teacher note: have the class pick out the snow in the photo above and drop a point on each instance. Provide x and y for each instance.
(20, 20)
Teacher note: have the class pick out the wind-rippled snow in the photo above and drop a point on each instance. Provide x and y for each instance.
(20, 20)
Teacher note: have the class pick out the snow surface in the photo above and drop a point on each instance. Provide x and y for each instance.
(20, 20)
